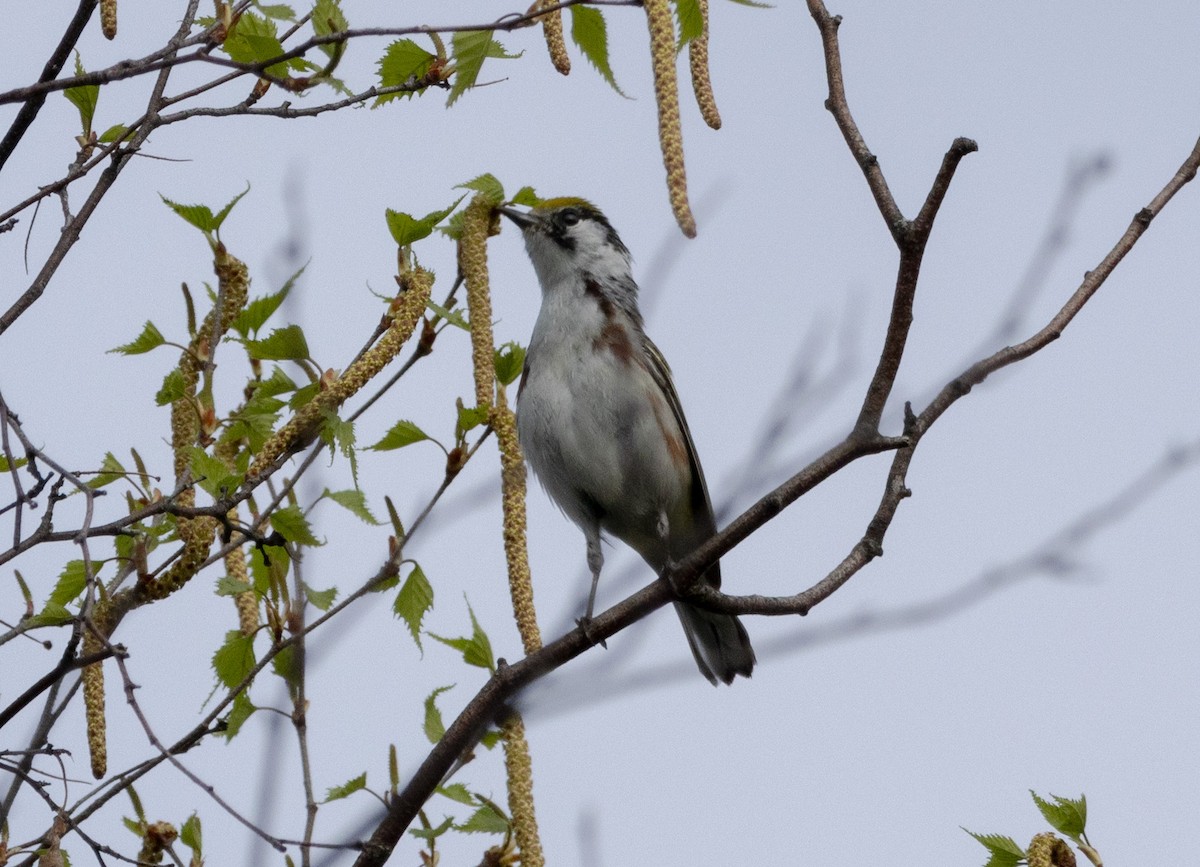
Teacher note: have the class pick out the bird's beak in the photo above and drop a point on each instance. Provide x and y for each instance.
(523, 220)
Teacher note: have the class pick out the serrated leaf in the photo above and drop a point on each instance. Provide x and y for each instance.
(403, 62)
(321, 599)
(414, 601)
(1065, 815)
(432, 833)
(457, 792)
(691, 21)
(590, 32)
(485, 820)
(71, 583)
(355, 502)
(277, 383)
(490, 739)
(239, 712)
(435, 729)
(526, 195)
(234, 659)
(282, 344)
(211, 474)
(327, 18)
(150, 338)
(258, 311)
(476, 650)
(190, 834)
(347, 788)
(230, 586)
(17, 463)
(401, 434)
(173, 388)
(277, 10)
(110, 470)
(486, 185)
(290, 523)
(471, 417)
(470, 48)
(1003, 851)
(407, 229)
(200, 216)
(113, 133)
(509, 361)
(254, 39)
(224, 212)
(52, 615)
(304, 395)
(84, 97)
(454, 317)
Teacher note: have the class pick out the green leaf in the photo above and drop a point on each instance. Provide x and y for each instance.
(71, 583)
(414, 601)
(457, 792)
(347, 788)
(52, 615)
(110, 471)
(476, 650)
(470, 48)
(190, 835)
(230, 586)
(691, 21)
(134, 826)
(590, 32)
(407, 229)
(434, 727)
(238, 714)
(470, 417)
(224, 212)
(84, 97)
(753, 3)
(113, 133)
(282, 344)
(150, 338)
(200, 216)
(485, 820)
(403, 62)
(290, 523)
(1065, 815)
(254, 39)
(510, 361)
(257, 312)
(454, 317)
(173, 388)
(401, 434)
(211, 474)
(277, 383)
(327, 18)
(432, 833)
(490, 739)
(526, 195)
(356, 502)
(486, 185)
(321, 599)
(17, 463)
(339, 432)
(277, 10)
(234, 659)
(1003, 851)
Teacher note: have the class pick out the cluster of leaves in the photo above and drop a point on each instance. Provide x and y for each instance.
(1067, 816)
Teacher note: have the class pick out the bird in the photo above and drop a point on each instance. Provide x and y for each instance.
(601, 425)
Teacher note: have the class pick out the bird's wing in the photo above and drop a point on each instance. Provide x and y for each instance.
(704, 524)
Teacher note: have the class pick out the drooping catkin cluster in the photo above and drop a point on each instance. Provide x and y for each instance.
(196, 534)
(479, 221)
(698, 62)
(108, 18)
(246, 602)
(406, 310)
(518, 769)
(552, 29)
(512, 484)
(666, 94)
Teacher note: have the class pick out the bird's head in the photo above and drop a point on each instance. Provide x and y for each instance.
(570, 238)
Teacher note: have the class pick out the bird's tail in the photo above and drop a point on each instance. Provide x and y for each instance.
(718, 641)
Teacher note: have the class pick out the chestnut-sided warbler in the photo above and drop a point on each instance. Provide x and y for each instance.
(601, 425)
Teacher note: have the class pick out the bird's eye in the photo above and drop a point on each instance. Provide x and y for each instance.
(570, 217)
